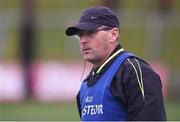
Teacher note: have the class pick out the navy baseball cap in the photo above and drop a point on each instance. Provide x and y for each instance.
(93, 18)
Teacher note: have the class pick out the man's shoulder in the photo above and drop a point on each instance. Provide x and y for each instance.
(134, 65)
(136, 62)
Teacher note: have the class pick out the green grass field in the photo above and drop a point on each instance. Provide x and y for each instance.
(173, 111)
(58, 111)
(38, 111)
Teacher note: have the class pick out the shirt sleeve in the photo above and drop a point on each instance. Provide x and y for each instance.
(139, 89)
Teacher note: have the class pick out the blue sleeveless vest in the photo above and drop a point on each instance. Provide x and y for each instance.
(97, 102)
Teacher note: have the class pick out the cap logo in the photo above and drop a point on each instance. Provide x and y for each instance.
(93, 17)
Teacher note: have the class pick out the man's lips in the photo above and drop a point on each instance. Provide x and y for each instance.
(84, 50)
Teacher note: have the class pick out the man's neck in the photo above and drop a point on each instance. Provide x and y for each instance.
(110, 52)
(115, 52)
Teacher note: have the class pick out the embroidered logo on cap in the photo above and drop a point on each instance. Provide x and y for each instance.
(94, 17)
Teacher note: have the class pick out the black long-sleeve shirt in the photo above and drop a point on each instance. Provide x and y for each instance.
(129, 91)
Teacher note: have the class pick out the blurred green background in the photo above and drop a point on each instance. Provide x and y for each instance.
(137, 20)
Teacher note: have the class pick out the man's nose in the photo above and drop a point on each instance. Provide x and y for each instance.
(84, 39)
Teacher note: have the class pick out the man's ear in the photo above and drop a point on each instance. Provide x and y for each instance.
(114, 34)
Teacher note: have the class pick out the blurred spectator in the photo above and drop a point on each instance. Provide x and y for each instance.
(27, 40)
(165, 6)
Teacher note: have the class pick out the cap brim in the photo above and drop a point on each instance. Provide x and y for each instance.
(83, 26)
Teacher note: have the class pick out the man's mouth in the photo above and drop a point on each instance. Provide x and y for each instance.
(85, 50)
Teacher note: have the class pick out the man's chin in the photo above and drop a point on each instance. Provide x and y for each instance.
(89, 59)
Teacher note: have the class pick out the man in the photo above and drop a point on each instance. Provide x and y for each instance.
(120, 85)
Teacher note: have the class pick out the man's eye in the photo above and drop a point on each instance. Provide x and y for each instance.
(80, 34)
(90, 33)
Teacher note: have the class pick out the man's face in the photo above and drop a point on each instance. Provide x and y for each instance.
(95, 45)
